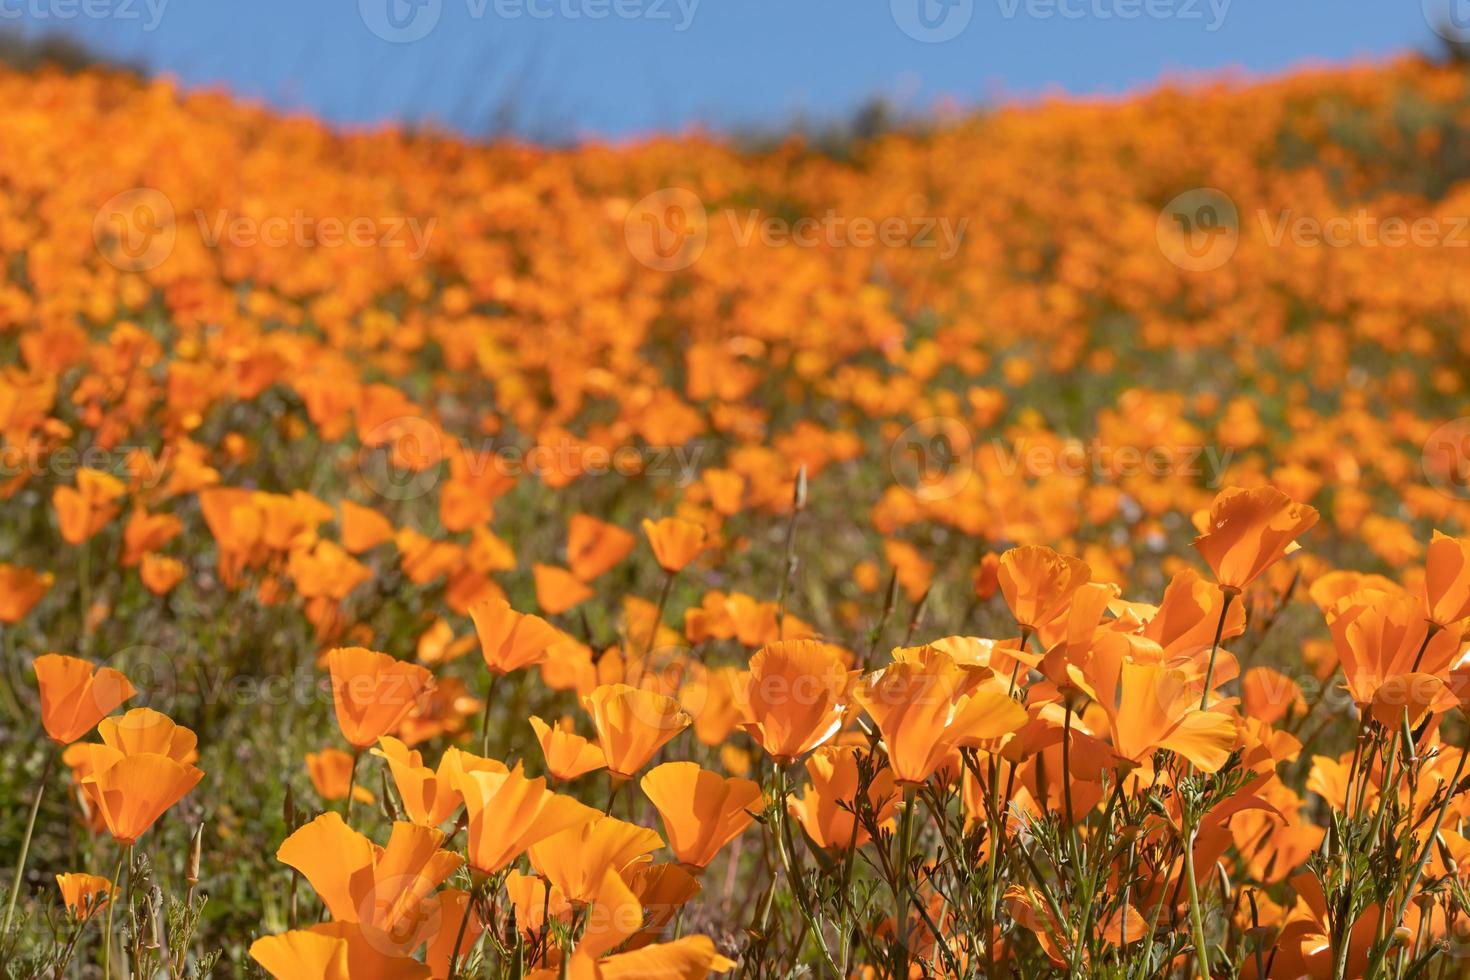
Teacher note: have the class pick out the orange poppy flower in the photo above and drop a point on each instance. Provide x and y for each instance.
(132, 791)
(384, 889)
(508, 813)
(74, 698)
(363, 528)
(675, 542)
(557, 589)
(594, 546)
(568, 755)
(662, 890)
(1248, 531)
(20, 590)
(533, 905)
(146, 730)
(575, 859)
(430, 797)
(147, 532)
(795, 697)
(331, 773)
(1038, 584)
(929, 706)
(451, 909)
(373, 692)
(160, 573)
(1184, 623)
(510, 640)
(302, 955)
(87, 508)
(83, 894)
(1382, 635)
(826, 808)
(1149, 707)
(702, 811)
(632, 724)
(1447, 580)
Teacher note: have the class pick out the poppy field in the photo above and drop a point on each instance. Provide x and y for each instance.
(1033, 542)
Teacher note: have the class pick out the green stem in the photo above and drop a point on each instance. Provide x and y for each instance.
(111, 904)
(352, 785)
(905, 850)
(485, 716)
(1196, 919)
(1204, 698)
(25, 842)
(658, 616)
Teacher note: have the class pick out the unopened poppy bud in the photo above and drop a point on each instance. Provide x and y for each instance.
(1157, 805)
(196, 850)
(798, 496)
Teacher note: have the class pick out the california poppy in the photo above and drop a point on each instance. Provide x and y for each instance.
(567, 754)
(1447, 580)
(133, 791)
(85, 509)
(75, 696)
(83, 894)
(508, 813)
(20, 590)
(794, 697)
(331, 775)
(510, 640)
(929, 706)
(575, 859)
(384, 889)
(373, 692)
(1247, 531)
(632, 724)
(1038, 583)
(594, 546)
(430, 796)
(827, 808)
(675, 542)
(702, 811)
(557, 589)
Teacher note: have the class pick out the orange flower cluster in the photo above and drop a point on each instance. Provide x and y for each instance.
(836, 608)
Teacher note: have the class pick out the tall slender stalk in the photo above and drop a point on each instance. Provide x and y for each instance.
(1204, 698)
(1196, 919)
(25, 842)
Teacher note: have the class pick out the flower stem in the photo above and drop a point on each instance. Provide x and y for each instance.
(25, 842)
(1204, 698)
(1196, 920)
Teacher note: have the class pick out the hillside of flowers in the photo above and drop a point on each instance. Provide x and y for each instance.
(1033, 542)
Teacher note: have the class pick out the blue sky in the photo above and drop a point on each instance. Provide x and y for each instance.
(623, 67)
